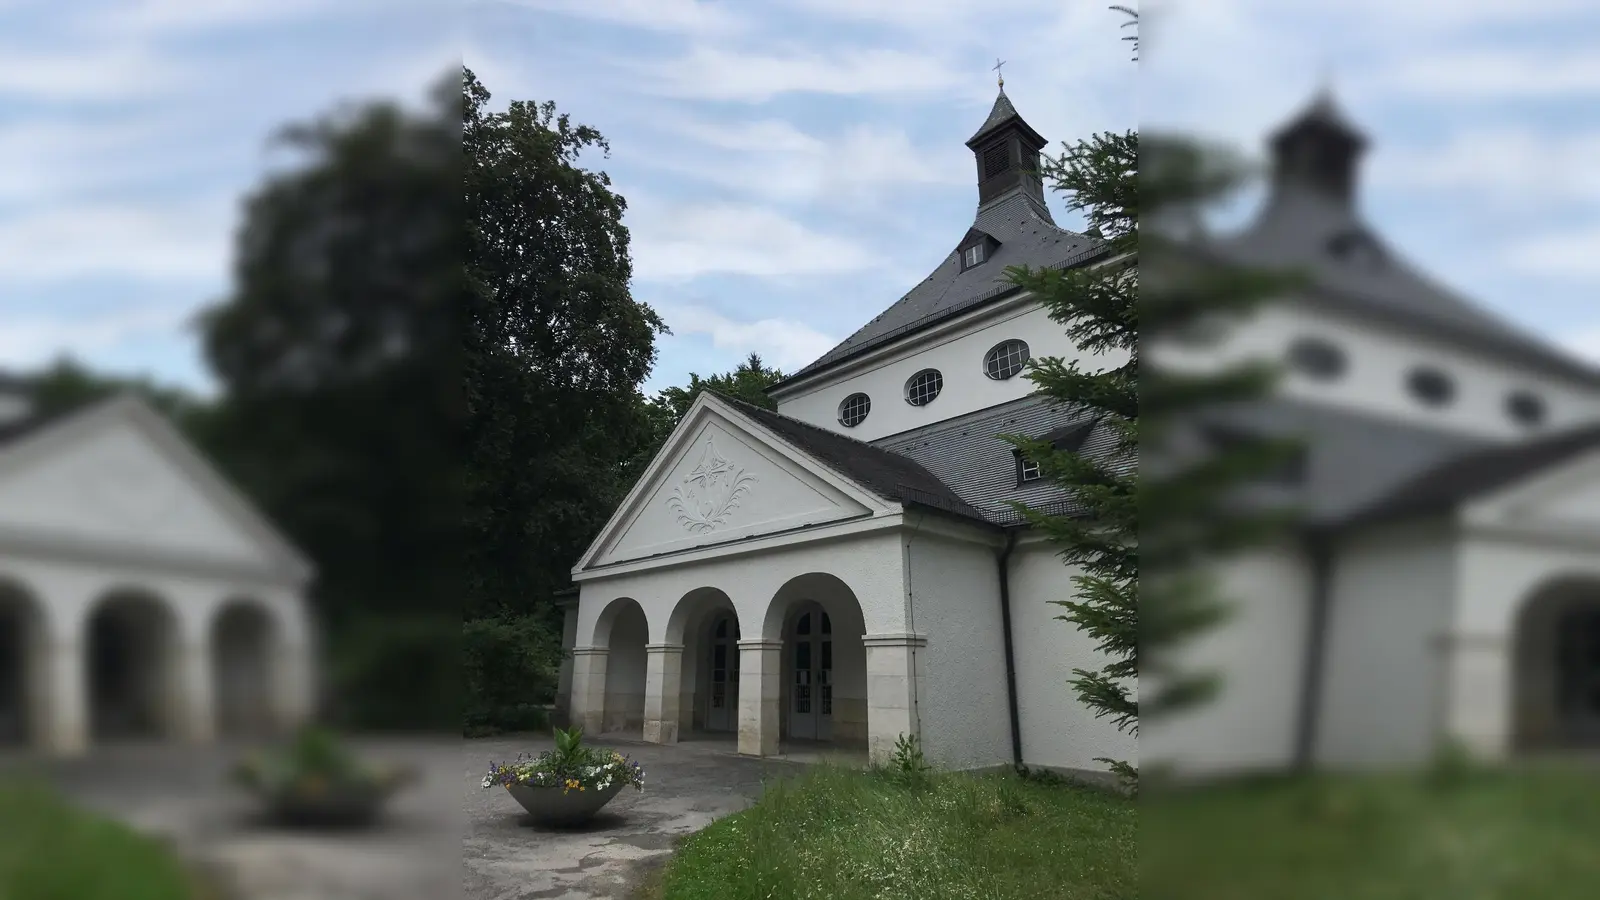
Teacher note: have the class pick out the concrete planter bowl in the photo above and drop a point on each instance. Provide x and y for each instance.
(549, 806)
(357, 805)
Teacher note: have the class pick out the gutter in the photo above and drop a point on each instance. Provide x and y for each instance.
(1003, 562)
(1319, 547)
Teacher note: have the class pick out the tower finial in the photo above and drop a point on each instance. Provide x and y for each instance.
(1001, 76)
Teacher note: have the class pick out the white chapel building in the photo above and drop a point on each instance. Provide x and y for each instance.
(142, 598)
(848, 569)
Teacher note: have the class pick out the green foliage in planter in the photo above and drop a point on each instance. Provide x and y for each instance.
(570, 766)
(316, 763)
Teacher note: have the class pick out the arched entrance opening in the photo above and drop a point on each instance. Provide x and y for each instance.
(244, 642)
(134, 685)
(823, 664)
(623, 631)
(706, 624)
(23, 699)
(1556, 666)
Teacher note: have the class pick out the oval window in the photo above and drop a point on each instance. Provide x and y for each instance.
(853, 411)
(1005, 359)
(1431, 386)
(1317, 358)
(923, 387)
(1526, 408)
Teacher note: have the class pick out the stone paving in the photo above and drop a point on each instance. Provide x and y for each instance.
(686, 787)
(436, 843)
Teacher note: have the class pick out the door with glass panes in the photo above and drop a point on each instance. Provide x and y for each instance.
(811, 676)
(1578, 661)
(724, 695)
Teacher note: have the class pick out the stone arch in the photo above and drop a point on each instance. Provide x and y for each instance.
(818, 621)
(623, 631)
(705, 623)
(132, 648)
(245, 642)
(1555, 665)
(25, 684)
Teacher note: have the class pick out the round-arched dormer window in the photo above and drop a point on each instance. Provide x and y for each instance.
(1431, 386)
(1526, 408)
(1318, 358)
(853, 410)
(1005, 359)
(923, 387)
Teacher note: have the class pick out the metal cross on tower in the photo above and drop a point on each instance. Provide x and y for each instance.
(998, 62)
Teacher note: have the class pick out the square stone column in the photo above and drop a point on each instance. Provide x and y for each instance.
(189, 697)
(569, 638)
(663, 672)
(1478, 697)
(760, 689)
(894, 684)
(588, 689)
(64, 723)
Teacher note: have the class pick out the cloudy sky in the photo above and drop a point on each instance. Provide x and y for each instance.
(791, 166)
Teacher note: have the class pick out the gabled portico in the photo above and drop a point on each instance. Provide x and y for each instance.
(747, 585)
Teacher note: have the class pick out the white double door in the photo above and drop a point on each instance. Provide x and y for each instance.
(811, 675)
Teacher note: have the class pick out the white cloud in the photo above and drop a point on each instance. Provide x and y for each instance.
(1509, 164)
(31, 340)
(172, 242)
(787, 344)
(1498, 74)
(1572, 253)
(85, 73)
(679, 244)
(1583, 342)
(698, 17)
(158, 18)
(774, 160)
(714, 73)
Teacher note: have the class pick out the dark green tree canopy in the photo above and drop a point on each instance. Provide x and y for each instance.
(556, 348)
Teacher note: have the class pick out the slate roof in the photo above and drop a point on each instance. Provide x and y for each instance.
(891, 476)
(999, 114)
(1297, 229)
(1465, 476)
(967, 454)
(1028, 237)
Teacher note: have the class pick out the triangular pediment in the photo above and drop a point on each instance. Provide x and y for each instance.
(722, 478)
(1563, 497)
(118, 477)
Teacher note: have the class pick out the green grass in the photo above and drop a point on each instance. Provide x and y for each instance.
(1523, 835)
(50, 850)
(836, 834)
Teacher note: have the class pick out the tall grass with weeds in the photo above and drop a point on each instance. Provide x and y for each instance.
(908, 832)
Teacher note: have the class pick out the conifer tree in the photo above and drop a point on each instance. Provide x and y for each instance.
(1145, 519)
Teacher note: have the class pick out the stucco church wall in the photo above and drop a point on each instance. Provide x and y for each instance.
(1391, 600)
(1057, 730)
(625, 675)
(955, 603)
(1258, 655)
(1379, 362)
(1498, 575)
(958, 357)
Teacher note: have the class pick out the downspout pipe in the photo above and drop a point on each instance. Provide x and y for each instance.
(1319, 549)
(1003, 560)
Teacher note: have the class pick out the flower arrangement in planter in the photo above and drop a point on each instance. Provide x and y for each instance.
(317, 781)
(566, 785)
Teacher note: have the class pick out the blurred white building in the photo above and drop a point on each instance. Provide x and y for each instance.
(1446, 585)
(141, 596)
